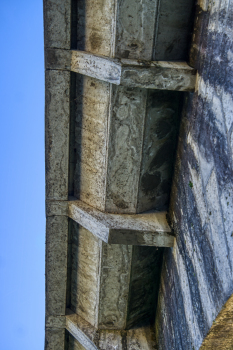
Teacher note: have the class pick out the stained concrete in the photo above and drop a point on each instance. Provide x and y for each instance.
(57, 111)
(110, 180)
(160, 75)
(113, 148)
(56, 264)
(102, 277)
(197, 277)
(84, 336)
(108, 167)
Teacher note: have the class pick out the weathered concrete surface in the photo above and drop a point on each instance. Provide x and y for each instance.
(112, 146)
(57, 23)
(56, 264)
(111, 120)
(114, 286)
(57, 35)
(85, 273)
(128, 72)
(91, 129)
(101, 276)
(173, 30)
(95, 27)
(84, 336)
(95, 133)
(54, 339)
(161, 76)
(135, 28)
(57, 110)
(143, 295)
(158, 153)
(197, 276)
(55, 322)
(149, 228)
(57, 208)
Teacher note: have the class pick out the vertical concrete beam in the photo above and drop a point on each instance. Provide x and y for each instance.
(96, 26)
(126, 130)
(114, 286)
(57, 113)
(55, 332)
(57, 23)
(56, 264)
(85, 273)
(56, 279)
(91, 139)
(57, 33)
(54, 339)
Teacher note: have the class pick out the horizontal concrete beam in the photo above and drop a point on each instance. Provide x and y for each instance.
(141, 338)
(160, 75)
(149, 228)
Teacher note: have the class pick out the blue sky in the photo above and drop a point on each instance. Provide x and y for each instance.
(22, 185)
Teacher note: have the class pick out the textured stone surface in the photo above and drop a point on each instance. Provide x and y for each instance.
(135, 28)
(150, 228)
(85, 273)
(124, 149)
(57, 109)
(56, 208)
(95, 27)
(55, 322)
(90, 148)
(197, 277)
(114, 286)
(132, 73)
(174, 26)
(57, 23)
(54, 339)
(143, 295)
(84, 336)
(81, 331)
(101, 277)
(56, 264)
(117, 146)
(159, 146)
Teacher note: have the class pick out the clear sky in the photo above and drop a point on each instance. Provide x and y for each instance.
(22, 183)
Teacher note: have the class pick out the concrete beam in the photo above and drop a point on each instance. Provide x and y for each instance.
(141, 338)
(57, 118)
(57, 31)
(160, 75)
(113, 286)
(54, 339)
(81, 330)
(56, 264)
(149, 228)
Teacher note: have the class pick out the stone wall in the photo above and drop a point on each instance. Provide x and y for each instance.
(197, 275)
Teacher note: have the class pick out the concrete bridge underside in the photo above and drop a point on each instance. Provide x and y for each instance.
(139, 200)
